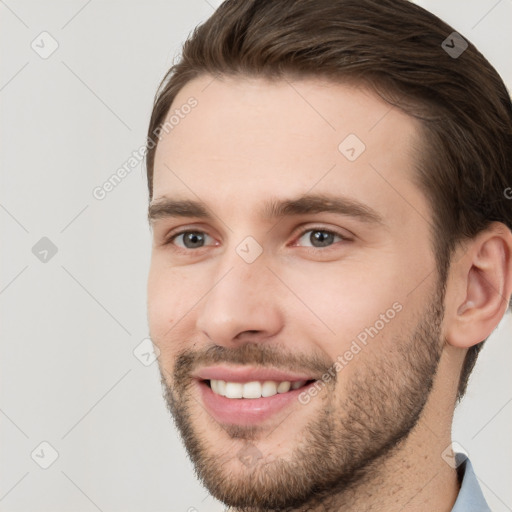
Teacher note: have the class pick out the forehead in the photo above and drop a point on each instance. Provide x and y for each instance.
(246, 138)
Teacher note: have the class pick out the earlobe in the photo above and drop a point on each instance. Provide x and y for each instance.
(481, 288)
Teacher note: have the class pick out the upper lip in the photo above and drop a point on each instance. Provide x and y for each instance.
(248, 374)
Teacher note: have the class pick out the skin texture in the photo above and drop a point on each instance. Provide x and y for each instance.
(373, 436)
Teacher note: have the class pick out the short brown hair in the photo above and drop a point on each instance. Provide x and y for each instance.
(395, 47)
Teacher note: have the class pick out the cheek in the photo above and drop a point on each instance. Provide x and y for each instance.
(346, 301)
(169, 300)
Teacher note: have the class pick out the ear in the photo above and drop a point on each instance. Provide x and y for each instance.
(479, 287)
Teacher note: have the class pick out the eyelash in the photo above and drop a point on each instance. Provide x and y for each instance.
(170, 240)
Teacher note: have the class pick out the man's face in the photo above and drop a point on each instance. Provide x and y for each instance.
(343, 304)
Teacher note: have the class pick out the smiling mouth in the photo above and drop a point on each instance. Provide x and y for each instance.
(254, 389)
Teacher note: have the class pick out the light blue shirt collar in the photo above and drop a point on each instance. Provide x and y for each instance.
(470, 498)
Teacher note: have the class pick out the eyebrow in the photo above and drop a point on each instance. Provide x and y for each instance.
(165, 207)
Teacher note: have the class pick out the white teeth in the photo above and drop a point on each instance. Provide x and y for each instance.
(234, 390)
(269, 388)
(253, 389)
(283, 387)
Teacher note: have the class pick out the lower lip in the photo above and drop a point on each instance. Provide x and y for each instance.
(246, 411)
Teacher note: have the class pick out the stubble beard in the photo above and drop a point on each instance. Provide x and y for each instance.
(343, 446)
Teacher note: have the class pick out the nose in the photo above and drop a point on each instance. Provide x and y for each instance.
(243, 304)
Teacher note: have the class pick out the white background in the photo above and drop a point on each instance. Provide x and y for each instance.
(69, 326)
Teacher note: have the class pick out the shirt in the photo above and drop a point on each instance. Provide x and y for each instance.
(470, 498)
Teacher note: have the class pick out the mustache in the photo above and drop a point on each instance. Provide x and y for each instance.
(250, 354)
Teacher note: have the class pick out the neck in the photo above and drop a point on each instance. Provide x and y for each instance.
(414, 479)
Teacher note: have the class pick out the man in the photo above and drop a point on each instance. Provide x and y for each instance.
(331, 247)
